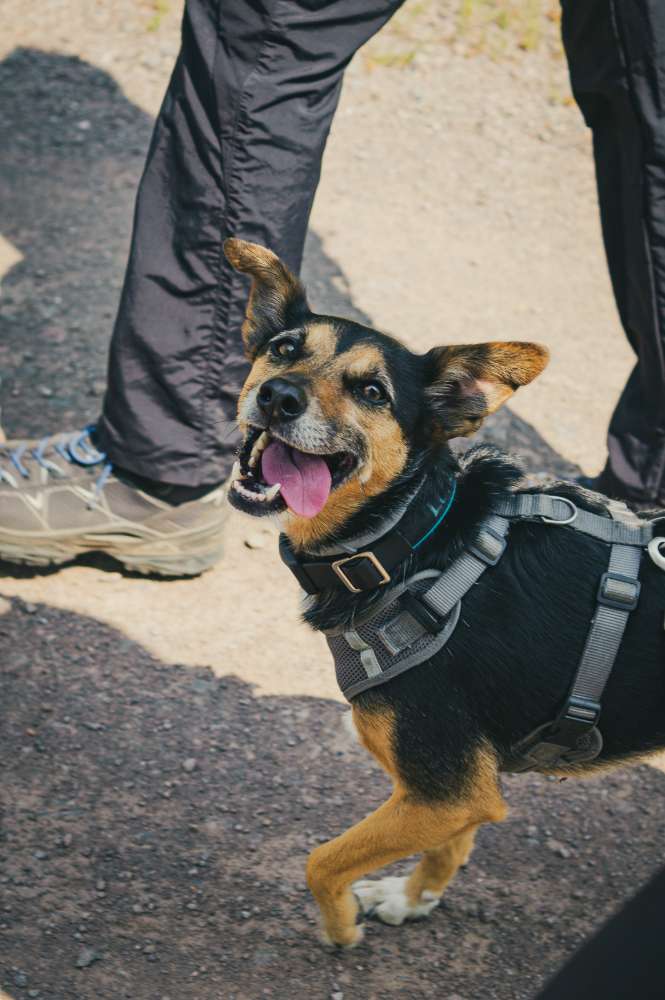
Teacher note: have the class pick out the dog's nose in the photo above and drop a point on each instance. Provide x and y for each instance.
(278, 398)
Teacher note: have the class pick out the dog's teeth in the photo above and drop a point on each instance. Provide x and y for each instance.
(259, 445)
(273, 491)
(235, 471)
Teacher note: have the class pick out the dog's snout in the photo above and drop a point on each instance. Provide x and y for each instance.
(281, 399)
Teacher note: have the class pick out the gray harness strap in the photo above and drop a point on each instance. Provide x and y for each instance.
(622, 526)
(574, 736)
(486, 550)
(415, 620)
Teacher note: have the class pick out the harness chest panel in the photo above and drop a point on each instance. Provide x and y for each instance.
(389, 642)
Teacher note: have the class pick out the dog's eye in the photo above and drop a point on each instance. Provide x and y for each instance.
(287, 348)
(372, 392)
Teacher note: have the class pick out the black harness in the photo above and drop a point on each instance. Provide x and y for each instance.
(416, 617)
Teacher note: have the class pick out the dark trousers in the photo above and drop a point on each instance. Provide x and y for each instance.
(616, 56)
(237, 150)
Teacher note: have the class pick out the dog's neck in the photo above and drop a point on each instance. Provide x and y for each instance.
(421, 483)
(481, 475)
(347, 544)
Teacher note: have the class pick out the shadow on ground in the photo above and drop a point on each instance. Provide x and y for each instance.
(157, 820)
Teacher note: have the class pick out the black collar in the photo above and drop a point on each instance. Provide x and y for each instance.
(372, 567)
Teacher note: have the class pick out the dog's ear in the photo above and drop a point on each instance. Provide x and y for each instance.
(465, 383)
(276, 300)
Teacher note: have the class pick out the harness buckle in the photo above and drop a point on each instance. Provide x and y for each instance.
(488, 546)
(618, 591)
(561, 520)
(365, 571)
(578, 717)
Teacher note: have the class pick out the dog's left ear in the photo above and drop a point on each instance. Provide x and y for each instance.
(276, 300)
(466, 383)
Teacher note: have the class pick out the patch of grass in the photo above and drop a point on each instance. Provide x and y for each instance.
(160, 8)
(496, 26)
(393, 60)
(500, 29)
(406, 34)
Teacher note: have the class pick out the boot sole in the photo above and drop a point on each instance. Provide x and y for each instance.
(154, 555)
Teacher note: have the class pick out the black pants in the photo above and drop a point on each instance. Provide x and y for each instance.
(237, 150)
(616, 56)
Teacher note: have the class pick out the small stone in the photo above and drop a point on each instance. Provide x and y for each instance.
(30, 609)
(245, 914)
(189, 764)
(40, 855)
(100, 885)
(33, 993)
(44, 390)
(20, 979)
(66, 840)
(86, 957)
(55, 334)
(337, 995)
(556, 847)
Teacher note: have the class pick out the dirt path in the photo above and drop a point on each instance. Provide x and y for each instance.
(457, 202)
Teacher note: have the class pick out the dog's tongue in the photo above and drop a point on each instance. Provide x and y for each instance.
(305, 479)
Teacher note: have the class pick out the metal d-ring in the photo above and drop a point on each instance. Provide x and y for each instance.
(565, 520)
(653, 548)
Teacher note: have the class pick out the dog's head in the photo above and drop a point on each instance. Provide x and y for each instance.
(334, 413)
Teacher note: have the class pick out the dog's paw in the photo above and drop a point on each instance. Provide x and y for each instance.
(386, 899)
(346, 939)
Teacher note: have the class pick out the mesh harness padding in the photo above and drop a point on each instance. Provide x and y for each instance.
(415, 619)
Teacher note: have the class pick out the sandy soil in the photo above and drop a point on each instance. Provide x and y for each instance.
(457, 202)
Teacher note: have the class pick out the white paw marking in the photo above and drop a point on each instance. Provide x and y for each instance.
(386, 899)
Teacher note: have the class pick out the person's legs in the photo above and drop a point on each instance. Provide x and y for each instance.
(236, 151)
(616, 56)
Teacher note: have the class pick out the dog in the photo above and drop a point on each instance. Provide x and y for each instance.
(346, 433)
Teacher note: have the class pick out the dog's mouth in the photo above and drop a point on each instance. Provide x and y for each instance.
(272, 476)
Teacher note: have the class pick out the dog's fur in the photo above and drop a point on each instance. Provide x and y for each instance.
(441, 730)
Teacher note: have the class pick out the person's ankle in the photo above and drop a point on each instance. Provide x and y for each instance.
(171, 493)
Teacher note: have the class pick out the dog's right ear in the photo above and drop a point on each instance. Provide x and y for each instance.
(276, 300)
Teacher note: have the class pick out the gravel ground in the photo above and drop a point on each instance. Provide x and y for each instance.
(156, 821)
(165, 770)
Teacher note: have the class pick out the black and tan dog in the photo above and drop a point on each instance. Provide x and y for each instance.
(339, 423)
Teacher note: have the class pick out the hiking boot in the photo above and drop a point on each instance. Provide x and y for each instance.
(60, 497)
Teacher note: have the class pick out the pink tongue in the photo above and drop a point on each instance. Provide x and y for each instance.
(305, 479)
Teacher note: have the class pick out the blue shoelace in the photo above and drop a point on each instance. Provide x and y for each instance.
(76, 448)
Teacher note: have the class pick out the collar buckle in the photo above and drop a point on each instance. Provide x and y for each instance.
(372, 575)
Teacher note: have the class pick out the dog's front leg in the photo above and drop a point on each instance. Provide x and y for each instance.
(400, 897)
(400, 827)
